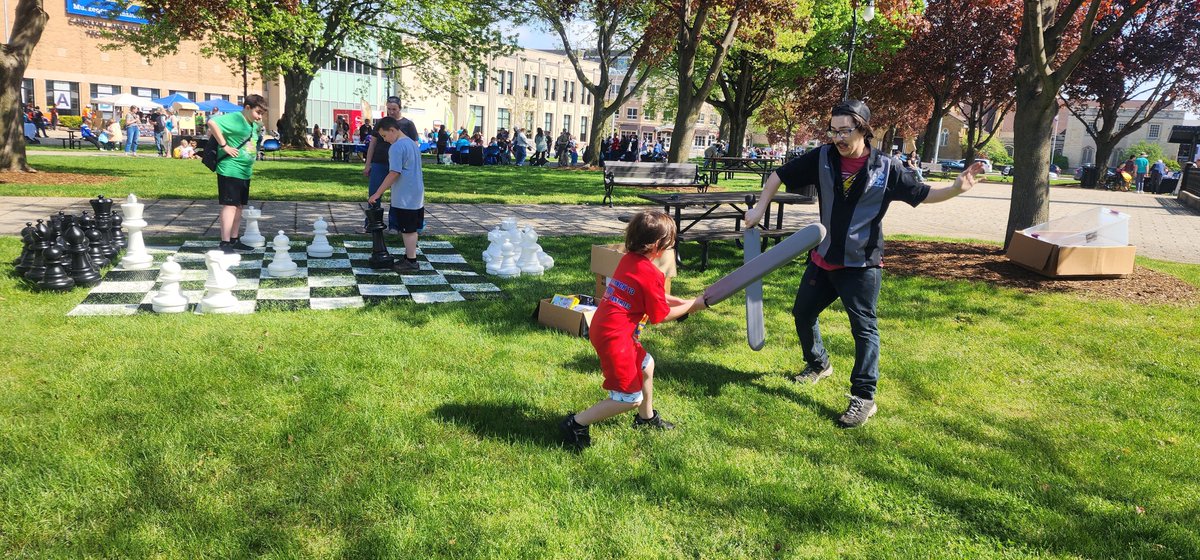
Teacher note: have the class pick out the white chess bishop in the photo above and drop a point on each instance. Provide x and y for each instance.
(252, 237)
(218, 288)
(282, 265)
(170, 298)
(320, 247)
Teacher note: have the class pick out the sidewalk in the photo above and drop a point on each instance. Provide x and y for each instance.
(1160, 227)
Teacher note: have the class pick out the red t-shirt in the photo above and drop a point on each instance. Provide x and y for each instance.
(849, 167)
(636, 294)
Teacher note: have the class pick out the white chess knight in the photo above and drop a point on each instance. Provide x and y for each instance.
(508, 268)
(136, 258)
(320, 247)
(495, 260)
(494, 246)
(545, 260)
(170, 298)
(252, 236)
(282, 264)
(511, 231)
(218, 288)
(529, 260)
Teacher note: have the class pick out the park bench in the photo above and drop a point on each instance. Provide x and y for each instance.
(633, 174)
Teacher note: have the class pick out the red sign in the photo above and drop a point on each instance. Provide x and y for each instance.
(352, 116)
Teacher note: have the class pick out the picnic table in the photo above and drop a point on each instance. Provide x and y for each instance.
(725, 210)
(72, 140)
(763, 167)
(343, 150)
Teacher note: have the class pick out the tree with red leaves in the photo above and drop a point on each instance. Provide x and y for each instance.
(1152, 60)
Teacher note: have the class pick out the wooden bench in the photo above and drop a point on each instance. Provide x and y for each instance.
(706, 237)
(633, 174)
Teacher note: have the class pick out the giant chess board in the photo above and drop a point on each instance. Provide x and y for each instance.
(341, 281)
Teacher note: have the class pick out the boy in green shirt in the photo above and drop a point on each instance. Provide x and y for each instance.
(237, 134)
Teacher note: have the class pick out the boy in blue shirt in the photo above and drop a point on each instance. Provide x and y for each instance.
(408, 198)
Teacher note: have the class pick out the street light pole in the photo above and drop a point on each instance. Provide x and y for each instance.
(868, 15)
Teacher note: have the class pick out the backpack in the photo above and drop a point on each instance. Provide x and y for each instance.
(213, 152)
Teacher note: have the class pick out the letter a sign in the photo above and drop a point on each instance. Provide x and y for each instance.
(63, 101)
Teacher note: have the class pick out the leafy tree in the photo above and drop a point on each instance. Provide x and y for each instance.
(1153, 151)
(28, 23)
(992, 150)
(1152, 60)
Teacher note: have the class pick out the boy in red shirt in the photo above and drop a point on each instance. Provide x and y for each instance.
(636, 295)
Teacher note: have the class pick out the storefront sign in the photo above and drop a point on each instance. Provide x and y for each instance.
(105, 9)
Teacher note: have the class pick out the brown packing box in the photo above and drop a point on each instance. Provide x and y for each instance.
(563, 319)
(1058, 261)
(605, 259)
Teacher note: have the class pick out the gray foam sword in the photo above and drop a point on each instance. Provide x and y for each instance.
(756, 332)
(793, 246)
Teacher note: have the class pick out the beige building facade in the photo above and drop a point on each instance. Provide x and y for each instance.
(1080, 149)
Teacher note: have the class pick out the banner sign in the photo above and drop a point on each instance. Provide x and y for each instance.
(104, 9)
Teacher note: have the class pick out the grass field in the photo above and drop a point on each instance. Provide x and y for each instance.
(1011, 426)
(322, 180)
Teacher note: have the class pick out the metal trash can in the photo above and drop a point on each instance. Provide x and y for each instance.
(1090, 177)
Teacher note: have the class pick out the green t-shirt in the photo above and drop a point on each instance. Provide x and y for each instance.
(235, 128)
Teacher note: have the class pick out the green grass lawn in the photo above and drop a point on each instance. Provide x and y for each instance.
(322, 180)
(1010, 426)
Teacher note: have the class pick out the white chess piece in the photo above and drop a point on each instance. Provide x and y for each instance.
(545, 260)
(495, 260)
(529, 262)
(252, 237)
(169, 298)
(218, 288)
(508, 268)
(282, 264)
(320, 247)
(136, 258)
(494, 245)
(509, 226)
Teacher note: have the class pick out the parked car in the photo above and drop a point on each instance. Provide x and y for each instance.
(962, 164)
(1006, 170)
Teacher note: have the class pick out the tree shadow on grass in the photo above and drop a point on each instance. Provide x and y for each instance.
(509, 422)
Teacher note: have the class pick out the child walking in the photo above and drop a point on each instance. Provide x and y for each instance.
(636, 295)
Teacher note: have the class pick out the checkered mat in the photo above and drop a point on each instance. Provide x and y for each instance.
(343, 280)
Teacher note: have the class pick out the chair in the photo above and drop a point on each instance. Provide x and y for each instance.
(271, 146)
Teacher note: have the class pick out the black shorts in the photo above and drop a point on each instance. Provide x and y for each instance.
(232, 191)
(409, 221)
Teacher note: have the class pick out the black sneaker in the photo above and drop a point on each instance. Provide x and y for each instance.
(657, 422)
(574, 434)
(242, 247)
(405, 265)
(227, 248)
(812, 375)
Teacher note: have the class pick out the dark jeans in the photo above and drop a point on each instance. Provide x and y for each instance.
(858, 289)
(519, 153)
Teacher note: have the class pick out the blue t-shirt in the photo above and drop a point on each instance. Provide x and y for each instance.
(1142, 164)
(408, 192)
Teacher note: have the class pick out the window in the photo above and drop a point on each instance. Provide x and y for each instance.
(528, 120)
(64, 95)
(477, 113)
(508, 90)
(188, 94)
(1154, 131)
(481, 81)
(241, 101)
(567, 123)
(549, 123)
(699, 141)
(502, 118)
(499, 81)
(586, 97)
(631, 113)
(547, 89)
(569, 91)
(27, 90)
(526, 85)
(212, 96)
(699, 118)
(341, 64)
(149, 93)
(668, 115)
(583, 129)
(553, 90)
(100, 90)
(649, 113)
(533, 83)
(1089, 155)
(945, 138)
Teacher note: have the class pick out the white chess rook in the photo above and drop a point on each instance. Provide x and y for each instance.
(170, 298)
(320, 247)
(252, 236)
(218, 288)
(136, 258)
(282, 264)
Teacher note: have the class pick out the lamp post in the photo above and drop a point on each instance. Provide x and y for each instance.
(868, 15)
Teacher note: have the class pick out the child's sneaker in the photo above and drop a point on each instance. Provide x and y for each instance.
(574, 434)
(657, 422)
(812, 375)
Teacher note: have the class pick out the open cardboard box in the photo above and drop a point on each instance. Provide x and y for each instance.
(605, 259)
(563, 319)
(1058, 261)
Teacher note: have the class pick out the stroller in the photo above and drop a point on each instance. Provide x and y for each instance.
(491, 155)
(1116, 179)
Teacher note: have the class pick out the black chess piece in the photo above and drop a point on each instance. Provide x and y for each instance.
(56, 277)
(95, 241)
(103, 209)
(56, 229)
(41, 235)
(380, 258)
(23, 262)
(82, 270)
(118, 236)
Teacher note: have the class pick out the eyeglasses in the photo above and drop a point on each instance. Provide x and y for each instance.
(840, 133)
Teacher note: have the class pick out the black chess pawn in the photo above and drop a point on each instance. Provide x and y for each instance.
(56, 277)
(83, 270)
(118, 236)
(380, 258)
(37, 269)
(96, 248)
(21, 265)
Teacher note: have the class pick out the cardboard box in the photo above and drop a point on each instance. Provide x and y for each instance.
(605, 259)
(563, 319)
(1059, 261)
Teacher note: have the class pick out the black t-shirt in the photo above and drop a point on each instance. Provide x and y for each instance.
(380, 155)
(159, 123)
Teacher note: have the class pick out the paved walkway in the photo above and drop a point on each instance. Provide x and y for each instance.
(1160, 227)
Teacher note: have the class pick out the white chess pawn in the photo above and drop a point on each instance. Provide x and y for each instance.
(508, 268)
(320, 247)
(529, 262)
(252, 237)
(282, 264)
(169, 298)
(136, 258)
(218, 288)
(494, 245)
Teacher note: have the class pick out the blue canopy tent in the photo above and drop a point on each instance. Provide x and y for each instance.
(172, 99)
(220, 105)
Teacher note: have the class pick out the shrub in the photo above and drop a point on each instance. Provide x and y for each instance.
(993, 151)
(1153, 151)
(1062, 161)
(69, 121)
(1172, 164)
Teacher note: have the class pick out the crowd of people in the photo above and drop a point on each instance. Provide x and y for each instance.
(122, 130)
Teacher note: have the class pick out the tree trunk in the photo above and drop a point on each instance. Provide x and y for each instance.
(1030, 204)
(1104, 151)
(737, 134)
(28, 24)
(294, 122)
(933, 133)
(723, 128)
(591, 154)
